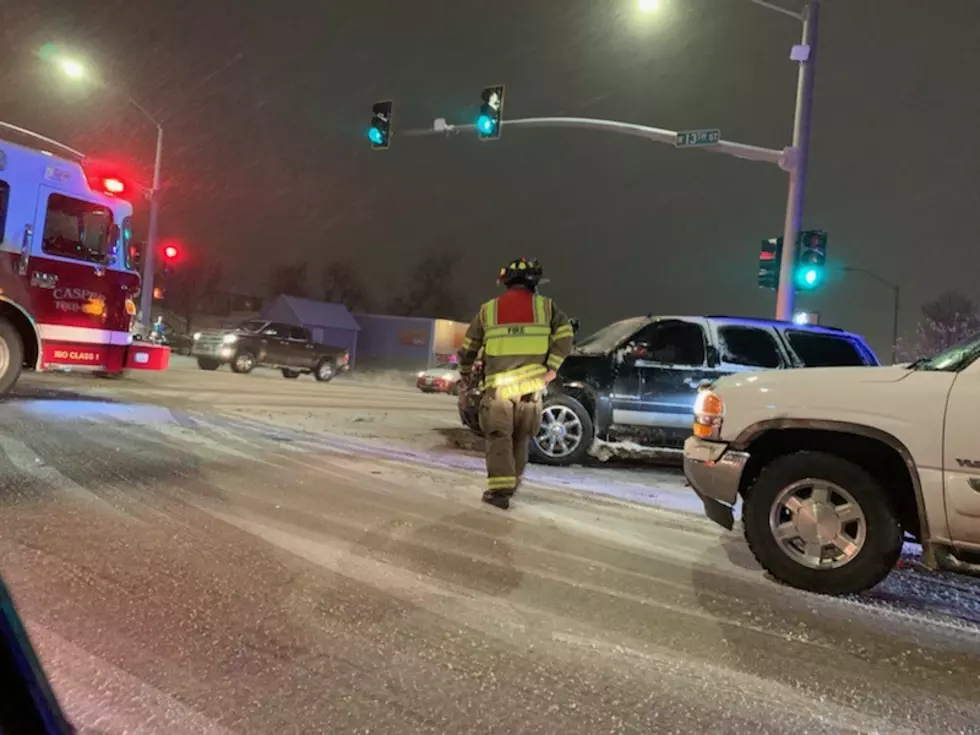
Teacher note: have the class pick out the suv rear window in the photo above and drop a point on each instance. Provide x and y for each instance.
(825, 350)
(749, 346)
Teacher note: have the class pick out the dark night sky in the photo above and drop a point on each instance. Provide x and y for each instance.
(265, 157)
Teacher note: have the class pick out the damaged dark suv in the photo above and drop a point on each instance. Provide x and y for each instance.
(630, 387)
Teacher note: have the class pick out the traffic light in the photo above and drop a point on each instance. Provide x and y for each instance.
(171, 253)
(770, 259)
(811, 259)
(491, 113)
(380, 131)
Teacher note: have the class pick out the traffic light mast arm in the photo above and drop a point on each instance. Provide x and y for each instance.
(783, 158)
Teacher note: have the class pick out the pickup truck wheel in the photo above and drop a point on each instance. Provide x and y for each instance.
(821, 523)
(290, 374)
(206, 364)
(324, 371)
(11, 356)
(566, 432)
(243, 363)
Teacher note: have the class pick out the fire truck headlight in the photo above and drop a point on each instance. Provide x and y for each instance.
(229, 339)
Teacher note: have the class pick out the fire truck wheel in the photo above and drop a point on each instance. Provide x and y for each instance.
(324, 371)
(206, 364)
(243, 363)
(11, 356)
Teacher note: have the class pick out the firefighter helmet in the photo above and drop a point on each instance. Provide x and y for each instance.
(523, 270)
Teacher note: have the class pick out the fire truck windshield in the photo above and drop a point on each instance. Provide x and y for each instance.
(76, 229)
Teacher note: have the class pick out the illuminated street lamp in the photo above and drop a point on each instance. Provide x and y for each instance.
(76, 70)
(72, 68)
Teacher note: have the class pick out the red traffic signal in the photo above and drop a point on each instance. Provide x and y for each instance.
(171, 252)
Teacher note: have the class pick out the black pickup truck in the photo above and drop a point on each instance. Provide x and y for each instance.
(260, 343)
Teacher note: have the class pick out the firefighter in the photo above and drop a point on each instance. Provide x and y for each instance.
(524, 339)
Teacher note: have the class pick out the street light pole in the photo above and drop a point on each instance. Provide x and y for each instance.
(896, 291)
(146, 294)
(146, 287)
(806, 55)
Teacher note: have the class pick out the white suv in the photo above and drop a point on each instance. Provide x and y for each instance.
(834, 466)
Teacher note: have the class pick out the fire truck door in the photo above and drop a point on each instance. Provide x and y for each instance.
(68, 281)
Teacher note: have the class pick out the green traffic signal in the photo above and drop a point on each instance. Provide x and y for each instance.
(380, 131)
(811, 259)
(491, 113)
(808, 277)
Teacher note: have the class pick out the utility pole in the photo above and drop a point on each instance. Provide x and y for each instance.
(806, 55)
(146, 293)
(896, 302)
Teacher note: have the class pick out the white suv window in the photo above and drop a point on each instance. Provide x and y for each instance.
(749, 346)
(825, 350)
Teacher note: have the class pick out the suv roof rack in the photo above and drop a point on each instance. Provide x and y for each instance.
(36, 138)
(773, 321)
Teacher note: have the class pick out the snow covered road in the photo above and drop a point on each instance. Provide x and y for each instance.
(211, 555)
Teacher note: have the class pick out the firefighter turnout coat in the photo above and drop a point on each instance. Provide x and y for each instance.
(523, 336)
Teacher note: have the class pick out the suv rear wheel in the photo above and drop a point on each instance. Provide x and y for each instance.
(566, 432)
(821, 523)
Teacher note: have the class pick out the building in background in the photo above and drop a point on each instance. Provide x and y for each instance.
(407, 342)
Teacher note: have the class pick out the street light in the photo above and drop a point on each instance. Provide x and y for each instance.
(895, 290)
(806, 55)
(76, 70)
(72, 68)
(648, 6)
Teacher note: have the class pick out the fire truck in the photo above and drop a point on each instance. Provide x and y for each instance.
(69, 280)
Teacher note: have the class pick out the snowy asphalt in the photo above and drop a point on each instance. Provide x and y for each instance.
(207, 553)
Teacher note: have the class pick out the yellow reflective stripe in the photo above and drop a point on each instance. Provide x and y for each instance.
(513, 376)
(523, 388)
(554, 361)
(516, 346)
(563, 331)
(517, 330)
(540, 310)
(490, 314)
(501, 483)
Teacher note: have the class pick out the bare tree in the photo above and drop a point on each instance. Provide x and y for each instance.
(946, 320)
(189, 290)
(342, 284)
(290, 280)
(432, 289)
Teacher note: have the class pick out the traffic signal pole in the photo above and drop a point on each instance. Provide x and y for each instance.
(806, 55)
(660, 135)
